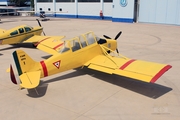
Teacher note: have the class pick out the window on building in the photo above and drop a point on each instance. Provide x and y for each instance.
(21, 30)
(49, 9)
(65, 0)
(88, 0)
(44, 0)
(108, 0)
(60, 9)
(40, 8)
(14, 32)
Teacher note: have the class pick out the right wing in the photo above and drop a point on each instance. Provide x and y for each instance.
(136, 69)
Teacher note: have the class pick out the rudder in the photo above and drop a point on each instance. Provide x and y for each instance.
(23, 62)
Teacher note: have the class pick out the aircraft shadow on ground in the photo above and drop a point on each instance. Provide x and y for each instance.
(66, 76)
(42, 88)
(39, 91)
(151, 90)
(1, 54)
(23, 45)
(46, 57)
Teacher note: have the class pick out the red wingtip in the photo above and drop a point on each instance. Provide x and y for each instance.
(160, 73)
(13, 79)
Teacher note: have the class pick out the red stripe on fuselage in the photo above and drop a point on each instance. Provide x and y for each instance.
(57, 46)
(44, 68)
(126, 64)
(41, 41)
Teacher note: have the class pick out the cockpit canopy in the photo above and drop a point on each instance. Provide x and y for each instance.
(21, 30)
(79, 42)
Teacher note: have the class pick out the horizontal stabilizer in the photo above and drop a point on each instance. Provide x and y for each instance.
(30, 79)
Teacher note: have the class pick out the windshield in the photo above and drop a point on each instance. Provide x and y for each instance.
(65, 47)
(79, 42)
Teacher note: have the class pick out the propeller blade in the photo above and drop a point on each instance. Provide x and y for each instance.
(117, 50)
(38, 22)
(107, 37)
(40, 26)
(117, 36)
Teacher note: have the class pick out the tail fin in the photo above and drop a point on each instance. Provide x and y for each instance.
(26, 67)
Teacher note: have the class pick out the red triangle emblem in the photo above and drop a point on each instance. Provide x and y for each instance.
(57, 64)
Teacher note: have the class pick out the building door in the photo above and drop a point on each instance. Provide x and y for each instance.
(160, 11)
(136, 10)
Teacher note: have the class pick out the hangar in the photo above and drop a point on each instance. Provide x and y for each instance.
(151, 11)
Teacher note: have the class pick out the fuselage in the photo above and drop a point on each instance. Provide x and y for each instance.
(75, 53)
(19, 34)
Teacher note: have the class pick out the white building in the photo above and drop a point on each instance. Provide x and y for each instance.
(115, 10)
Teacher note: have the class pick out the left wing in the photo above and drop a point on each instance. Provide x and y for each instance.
(49, 44)
(136, 69)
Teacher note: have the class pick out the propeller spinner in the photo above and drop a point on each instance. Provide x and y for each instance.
(117, 36)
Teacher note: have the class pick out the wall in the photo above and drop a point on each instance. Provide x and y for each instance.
(89, 10)
(69, 9)
(108, 10)
(45, 6)
(160, 11)
(80, 10)
(123, 14)
(111, 11)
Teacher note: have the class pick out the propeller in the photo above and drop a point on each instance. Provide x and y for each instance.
(40, 26)
(117, 36)
(106, 36)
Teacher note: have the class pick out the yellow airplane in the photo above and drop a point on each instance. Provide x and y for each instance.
(24, 34)
(86, 50)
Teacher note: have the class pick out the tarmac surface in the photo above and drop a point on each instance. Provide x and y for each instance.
(90, 95)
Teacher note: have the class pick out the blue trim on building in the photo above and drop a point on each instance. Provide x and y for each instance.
(89, 17)
(84, 17)
(65, 16)
(128, 20)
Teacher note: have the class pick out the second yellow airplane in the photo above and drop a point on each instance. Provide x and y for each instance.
(25, 34)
